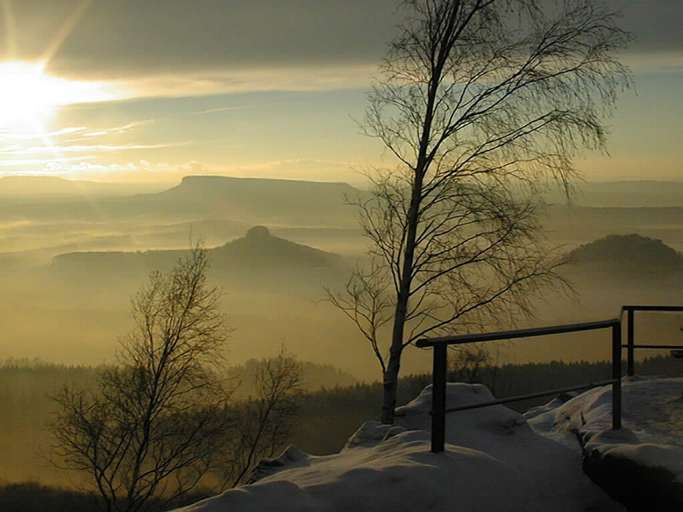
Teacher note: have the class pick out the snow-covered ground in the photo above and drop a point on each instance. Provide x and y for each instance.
(494, 461)
(646, 453)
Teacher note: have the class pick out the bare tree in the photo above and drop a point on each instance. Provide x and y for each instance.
(157, 424)
(468, 361)
(482, 103)
(265, 419)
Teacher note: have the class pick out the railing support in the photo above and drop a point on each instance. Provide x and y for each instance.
(440, 364)
(630, 340)
(439, 397)
(616, 375)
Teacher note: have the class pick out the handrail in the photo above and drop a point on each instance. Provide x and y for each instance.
(631, 346)
(517, 333)
(528, 396)
(653, 308)
(440, 368)
(440, 363)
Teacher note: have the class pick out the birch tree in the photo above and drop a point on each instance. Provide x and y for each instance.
(481, 103)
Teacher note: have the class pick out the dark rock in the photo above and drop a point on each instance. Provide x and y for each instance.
(639, 487)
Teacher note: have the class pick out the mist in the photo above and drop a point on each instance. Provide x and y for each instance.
(74, 261)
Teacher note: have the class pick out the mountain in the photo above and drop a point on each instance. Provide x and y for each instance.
(624, 194)
(255, 258)
(262, 200)
(633, 253)
(228, 193)
(249, 200)
(258, 249)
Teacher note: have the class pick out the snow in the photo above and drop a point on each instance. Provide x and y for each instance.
(551, 470)
(652, 420)
(398, 474)
(493, 461)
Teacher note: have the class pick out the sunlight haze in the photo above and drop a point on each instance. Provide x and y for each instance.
(220, 93)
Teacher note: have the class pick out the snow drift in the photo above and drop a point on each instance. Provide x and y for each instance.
(494, 461)
(642, 464)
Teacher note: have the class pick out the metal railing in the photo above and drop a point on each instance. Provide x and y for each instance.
(440, 364)
(631, 345)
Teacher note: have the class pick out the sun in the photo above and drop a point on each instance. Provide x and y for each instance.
(29, 97)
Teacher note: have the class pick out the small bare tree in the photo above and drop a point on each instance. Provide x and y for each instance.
(266, 417)
(158, 422)
(482, 103)
(468, 361)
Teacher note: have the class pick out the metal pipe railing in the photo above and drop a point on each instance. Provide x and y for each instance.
(528, 396)
(631, 345)
(440, 364)
(517, 333)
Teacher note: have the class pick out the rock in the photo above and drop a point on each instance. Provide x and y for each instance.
(258, 233)
(641, 487)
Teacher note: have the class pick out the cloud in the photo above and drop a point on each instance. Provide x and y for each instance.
(190, 52)
(299, 79)
(135, 170)
(33, 162)
(123, 39)
(84, 148)
(666, 62)
(116, 130)
(14, 134)
(166, 48)
(79, 132)
(126, 38)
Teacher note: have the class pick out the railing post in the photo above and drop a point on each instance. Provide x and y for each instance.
(439, 397)
(630, 341)
(616, 375)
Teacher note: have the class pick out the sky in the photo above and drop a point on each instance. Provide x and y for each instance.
(152, 90)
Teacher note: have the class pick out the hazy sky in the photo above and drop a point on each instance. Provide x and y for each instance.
(258, 87)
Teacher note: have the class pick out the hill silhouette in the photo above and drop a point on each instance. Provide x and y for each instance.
(249, 200)
(260, 249)
(623, 194)
(256, 256)
(627, 252)
(261, 200)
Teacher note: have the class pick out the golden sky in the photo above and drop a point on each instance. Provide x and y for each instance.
(152, 90)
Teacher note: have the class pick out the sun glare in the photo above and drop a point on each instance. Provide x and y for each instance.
(29, 97)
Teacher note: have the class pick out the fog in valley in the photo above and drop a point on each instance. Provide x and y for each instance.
(74, 254)
(73, 258)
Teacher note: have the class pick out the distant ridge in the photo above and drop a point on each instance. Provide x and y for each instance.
(611, 194)
(251, 201)
(624, 194)
(235, 179)
(264, 200)
(256, 254)
(627, 252)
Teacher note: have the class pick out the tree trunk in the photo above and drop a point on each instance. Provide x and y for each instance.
(393, 368)
(401, 311)
(413, 217)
